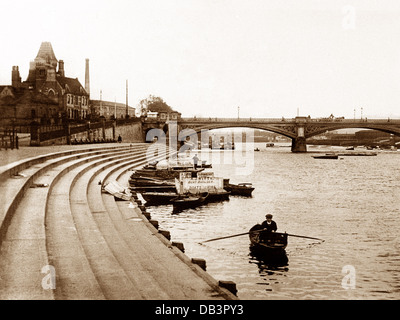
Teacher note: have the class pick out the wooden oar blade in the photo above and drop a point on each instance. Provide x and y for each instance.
(231, 236)
(305, 237)
(226, 237)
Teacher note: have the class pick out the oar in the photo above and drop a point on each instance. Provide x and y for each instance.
(234, 235)
(255, 231)
(295, 235)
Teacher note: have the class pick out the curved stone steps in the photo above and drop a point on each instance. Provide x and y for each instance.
(23, 250)
(111, 225)
(64, 257)
(20, 270)
(17, 178)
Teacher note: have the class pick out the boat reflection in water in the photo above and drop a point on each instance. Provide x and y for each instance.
(273, 260)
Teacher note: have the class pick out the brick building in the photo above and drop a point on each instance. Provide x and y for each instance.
(47, 96)
(110, 110)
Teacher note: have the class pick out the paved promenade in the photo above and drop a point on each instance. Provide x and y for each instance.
(69, 240)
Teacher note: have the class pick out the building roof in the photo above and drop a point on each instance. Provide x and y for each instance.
(46, 54)
(108, 103)
(71, 85)
(23, 96)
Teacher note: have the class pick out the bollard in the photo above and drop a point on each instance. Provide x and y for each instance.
(229, 285)
(165, 233)
(179, 245)
(147, 215)
(200, 262)
(154, 223)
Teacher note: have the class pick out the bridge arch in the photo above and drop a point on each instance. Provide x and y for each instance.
(290, 133)
(320, 130)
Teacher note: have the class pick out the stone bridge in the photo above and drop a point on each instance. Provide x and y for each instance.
(298, 129)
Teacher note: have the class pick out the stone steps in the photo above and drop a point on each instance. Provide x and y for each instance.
(24, 238)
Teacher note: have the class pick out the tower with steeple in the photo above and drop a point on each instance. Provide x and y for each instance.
(42, 71)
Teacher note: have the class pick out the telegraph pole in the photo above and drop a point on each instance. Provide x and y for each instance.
(127, 111)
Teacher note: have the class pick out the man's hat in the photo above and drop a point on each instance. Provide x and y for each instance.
(269, 216)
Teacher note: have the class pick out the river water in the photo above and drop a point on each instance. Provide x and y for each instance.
(353, 204)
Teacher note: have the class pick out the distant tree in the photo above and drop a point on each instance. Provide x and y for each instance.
(154, 104)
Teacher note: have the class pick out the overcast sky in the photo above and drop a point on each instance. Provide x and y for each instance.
(209, 57)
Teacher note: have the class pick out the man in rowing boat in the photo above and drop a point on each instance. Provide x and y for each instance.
(269, 226)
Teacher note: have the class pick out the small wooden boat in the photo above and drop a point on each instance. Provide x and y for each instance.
(142, 189)
(327, 156)
(205, 165)
(168, 173)
(218, 195)
(186, 201)
(276, 241)
(142, 181)
(119, 192)
(158, 198)
(241, 189)
(358, 154)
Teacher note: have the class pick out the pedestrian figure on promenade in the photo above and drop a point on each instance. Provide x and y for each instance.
(119, 139)
(195, 161)
(269, 225)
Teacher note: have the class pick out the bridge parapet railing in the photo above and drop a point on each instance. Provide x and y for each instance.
(355, 121)
(216, 119)
(291, 120)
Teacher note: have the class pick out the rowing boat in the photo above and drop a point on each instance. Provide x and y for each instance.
(186, 201)
(158, 198)
(275, 241)
(241, 189)
(327, 156)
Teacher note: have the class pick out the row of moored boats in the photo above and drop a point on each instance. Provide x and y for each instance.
(179, 183)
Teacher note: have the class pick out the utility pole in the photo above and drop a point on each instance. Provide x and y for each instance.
(101, 104)
(127, 111)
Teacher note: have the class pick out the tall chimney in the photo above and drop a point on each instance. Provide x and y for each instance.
(87, 81)
(61, 70)
(15, 77)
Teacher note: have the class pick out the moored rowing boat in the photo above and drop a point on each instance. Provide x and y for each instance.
(186, 201)
(241, 189)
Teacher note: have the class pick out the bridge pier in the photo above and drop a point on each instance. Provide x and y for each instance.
(299, 144)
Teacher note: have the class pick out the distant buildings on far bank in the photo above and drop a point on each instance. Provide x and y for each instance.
(47, 96)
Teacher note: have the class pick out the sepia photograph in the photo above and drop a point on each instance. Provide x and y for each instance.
(200, 157)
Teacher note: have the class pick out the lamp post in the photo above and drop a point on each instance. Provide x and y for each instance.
(238, 112)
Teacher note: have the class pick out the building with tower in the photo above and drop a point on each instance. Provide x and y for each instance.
(47, 96)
